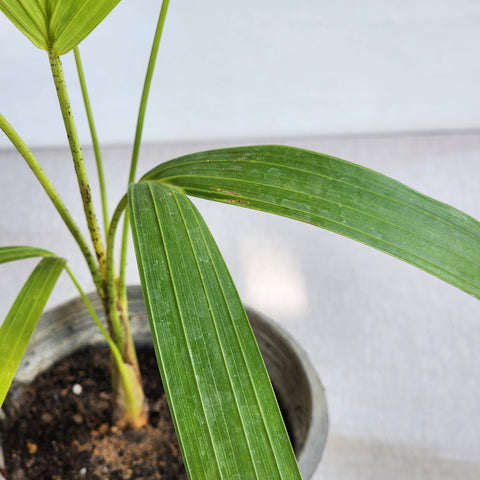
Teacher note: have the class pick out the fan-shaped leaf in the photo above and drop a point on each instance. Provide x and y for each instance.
(56, 25)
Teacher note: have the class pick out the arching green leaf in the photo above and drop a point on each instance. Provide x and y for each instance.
(339, 196)
(223, 406)
(22, 318)
(11, 253)
(57, 25)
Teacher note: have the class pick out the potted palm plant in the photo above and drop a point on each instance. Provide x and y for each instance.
(222, 403)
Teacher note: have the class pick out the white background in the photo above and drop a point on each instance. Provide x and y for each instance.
(250, 68)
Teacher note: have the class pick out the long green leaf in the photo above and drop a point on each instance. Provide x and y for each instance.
(339, 196)
(22, 318)
(56, 25)
(11, 253)
(225, 413)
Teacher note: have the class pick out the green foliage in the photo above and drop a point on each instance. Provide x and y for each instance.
(22, 318)
(11, 253)
(339, 196)
(56, 25)
(225, 413)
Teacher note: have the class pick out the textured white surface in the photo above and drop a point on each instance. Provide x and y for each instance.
(275, 67)
(397, 350)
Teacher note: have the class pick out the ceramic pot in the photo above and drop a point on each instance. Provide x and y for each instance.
(69, 327)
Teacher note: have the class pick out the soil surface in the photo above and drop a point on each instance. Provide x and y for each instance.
(60, 428)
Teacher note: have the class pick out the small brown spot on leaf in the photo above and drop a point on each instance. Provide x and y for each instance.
(238, 202)
(226, 191)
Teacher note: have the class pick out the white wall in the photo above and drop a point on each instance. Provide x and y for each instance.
(275, 67)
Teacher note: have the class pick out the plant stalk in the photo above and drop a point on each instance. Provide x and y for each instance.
(130, 406)
(45, 182)
(138, 138)
(119, 326)
(130, 410)
(79, 164)
(93, 133)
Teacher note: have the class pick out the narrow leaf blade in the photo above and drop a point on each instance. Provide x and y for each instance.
(16, 330)
(222, 403)
(340, 196)
(11, 253)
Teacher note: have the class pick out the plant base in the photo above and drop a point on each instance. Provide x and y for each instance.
(69, 328)
(66, 432)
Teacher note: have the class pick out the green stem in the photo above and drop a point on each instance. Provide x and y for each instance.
(146, 89)
(138, 137)
(45, 182)
(93, 133)
(96, 319)
(79, 164)
(120, 325)
(132, 391)
(130, 400)
(117, 327)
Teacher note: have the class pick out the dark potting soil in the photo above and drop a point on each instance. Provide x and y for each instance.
(61, 428)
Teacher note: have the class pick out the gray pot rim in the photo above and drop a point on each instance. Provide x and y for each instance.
(66, 322)
(317, 434)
